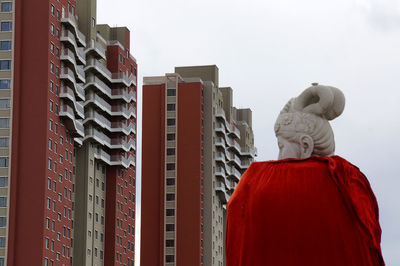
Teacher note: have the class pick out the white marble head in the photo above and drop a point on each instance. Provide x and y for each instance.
(302, 127)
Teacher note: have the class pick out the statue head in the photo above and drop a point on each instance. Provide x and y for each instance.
(303, 128)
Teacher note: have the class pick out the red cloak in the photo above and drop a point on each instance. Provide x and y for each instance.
(316, 211)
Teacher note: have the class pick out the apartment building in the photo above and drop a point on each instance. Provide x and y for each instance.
(70, 175)
(196, 146)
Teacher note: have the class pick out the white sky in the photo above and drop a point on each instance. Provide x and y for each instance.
(271, 50)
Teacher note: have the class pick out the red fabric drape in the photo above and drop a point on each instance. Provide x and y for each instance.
(316, 211)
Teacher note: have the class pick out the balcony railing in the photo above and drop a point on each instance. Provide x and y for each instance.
(71, 19)
(111, 143)
(100, 50)
(67, 35)
(67, 54)
(67, 92)
(73, 124)
(67, 73)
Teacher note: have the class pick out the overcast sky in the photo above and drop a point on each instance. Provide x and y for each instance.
(271, 50)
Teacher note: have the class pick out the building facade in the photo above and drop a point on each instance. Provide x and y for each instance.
(71, 129)
(196, 146)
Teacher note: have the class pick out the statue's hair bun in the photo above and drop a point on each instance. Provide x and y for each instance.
(324, 101)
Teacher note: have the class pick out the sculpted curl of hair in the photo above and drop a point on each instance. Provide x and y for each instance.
(309, 114)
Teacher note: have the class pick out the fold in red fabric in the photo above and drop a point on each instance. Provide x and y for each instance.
(316, 211)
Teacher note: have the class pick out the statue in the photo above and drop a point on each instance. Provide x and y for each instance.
(302, 128)
(310, 207)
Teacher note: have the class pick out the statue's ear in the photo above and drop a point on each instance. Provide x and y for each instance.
(306, 146)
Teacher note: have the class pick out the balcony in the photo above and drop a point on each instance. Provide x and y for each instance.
(114, 159)
(69, 56)
(121, 110)
(221, 191)
(118, 126)
(72, 20)
(234, 144)
(117, 110)
(245, 163)
(235, 173)
(73, 125)
(219, 156)
(220, 142)
(68, 93)
(122, 78)
(123, 94)
(99, 67)
(111, 77)
(67, 36)
(249, 151)
(219, 171)
(97, 48)
(234, 158)
(68, 74)
(111, 143)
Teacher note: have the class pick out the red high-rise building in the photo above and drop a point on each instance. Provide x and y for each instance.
(195, 147)
(69, 170)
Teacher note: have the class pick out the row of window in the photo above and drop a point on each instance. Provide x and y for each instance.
(89, 252)
(52, 224)
(50, 245)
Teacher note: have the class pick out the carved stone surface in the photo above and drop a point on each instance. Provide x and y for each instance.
(302, 127)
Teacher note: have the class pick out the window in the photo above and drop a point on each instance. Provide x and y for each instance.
(170, 227)
(6, 7)
(169, 243)
(170, 212)
(5, 45)
(170, 181)
(5, 84)
(3, 221)
(49, 164)
(51, 67)
(171, 151)
(3, 202)
(51, 125)
(171, 92)
(4, 122)
(51, 105)
(170, 197)
(170, 107)
(4, 142)
(52, 48)
(3, 181)
(93, 22)
(51, 86)
(51, 29)
(52, 9)
(5, 104)
(170, 166)
(169, 258)
(171, 136)
(3, 161)
(6, 26)
(171, 121)
(5, 64)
